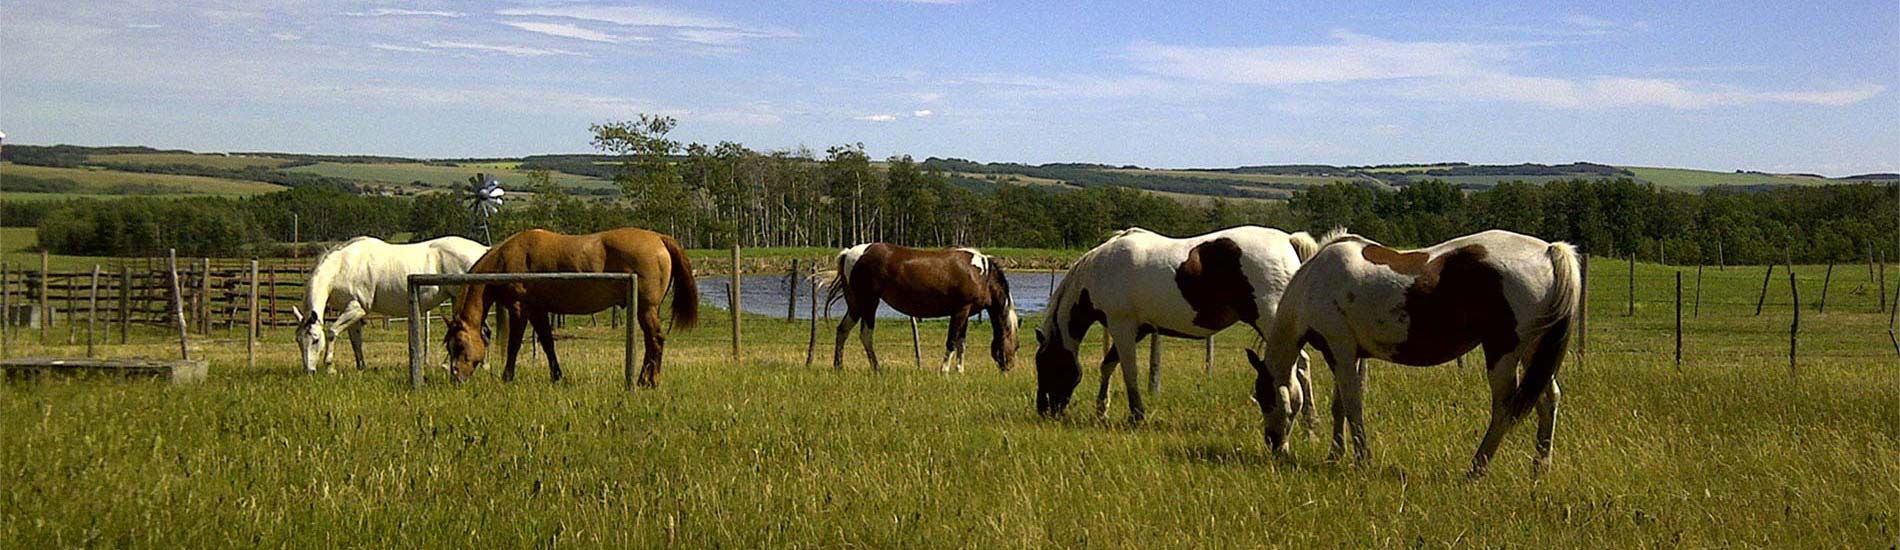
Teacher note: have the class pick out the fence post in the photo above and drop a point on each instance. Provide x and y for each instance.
(271, 283)
(916, 345)
(125, 304)
(178, 304)
(811, 346)
(1583, 307)
(415, 336)
(1207, 360)
(72, 310)
(736, 288)
(1825, 280)
(633, 297)
(1154, 364)
(92, 312)
(1721, 264)
(1794, 327)
(1764, 289)
(6, 310)
(46, 304)
(250, 334)
(1632, 280)
(1881, 270)
(1052, 282)
(204, 299)
(1678, 320)
(791, 304)
(1698, 292)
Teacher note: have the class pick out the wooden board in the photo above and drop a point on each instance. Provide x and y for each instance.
(178, 372)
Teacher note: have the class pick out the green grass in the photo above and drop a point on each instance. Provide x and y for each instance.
(207, 160)
(1681, 178)
(96, 181)
(1259, 178)
(1726, 451)
(441, 176)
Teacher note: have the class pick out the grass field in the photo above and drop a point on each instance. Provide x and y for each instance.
(1681, 178)
(1726, 451)
(100, 181)
(441, 176)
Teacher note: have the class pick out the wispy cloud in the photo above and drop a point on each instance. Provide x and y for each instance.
(564, 30)
(876, 118)
(398, 48)
(685, 26)
(1450, 72)
(397, 12)
(287, 36)
(517, 51)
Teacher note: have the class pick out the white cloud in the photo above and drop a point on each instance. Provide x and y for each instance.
(922, 113)
(1449, 72)
(394, 12)
(564, 30)
(143, 26)
(396, 48)
(876, 118)
(287, 36)
(517, 51)
(639, 16)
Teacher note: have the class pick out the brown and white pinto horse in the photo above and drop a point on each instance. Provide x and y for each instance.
(1139, 283)
(657, 258)
(955, 282)
(1513, 294)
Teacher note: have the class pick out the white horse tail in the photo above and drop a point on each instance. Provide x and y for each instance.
(836, 281)
(1304, 247)
(1552, 329)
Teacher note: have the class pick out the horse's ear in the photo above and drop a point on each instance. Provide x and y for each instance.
(294, 310)
(1259, 365)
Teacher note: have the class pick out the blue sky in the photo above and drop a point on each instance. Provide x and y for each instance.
(1765, 86)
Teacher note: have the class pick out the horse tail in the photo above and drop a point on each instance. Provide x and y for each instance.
(685, 287)
(1304, 247)
(1554, 324)
(840, 278)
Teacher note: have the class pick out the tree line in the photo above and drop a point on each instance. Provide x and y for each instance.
(713, 196)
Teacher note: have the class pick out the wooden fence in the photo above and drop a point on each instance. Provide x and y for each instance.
(136, 291)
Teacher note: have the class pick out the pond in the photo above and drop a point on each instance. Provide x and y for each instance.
(767, 294)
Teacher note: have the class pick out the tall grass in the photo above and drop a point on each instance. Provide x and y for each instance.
(1728, 451)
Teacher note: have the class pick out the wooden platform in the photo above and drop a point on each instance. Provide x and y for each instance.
(178, 372)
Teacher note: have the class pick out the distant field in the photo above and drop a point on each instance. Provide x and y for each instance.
(100, 181)
(1680, 178)
(1406, 169)
(1261, 178)
(213, 161)
(441, 176)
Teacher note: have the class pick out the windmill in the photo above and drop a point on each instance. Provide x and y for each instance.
(484, 199)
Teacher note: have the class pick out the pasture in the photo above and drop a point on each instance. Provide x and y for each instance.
(1728, 450)
(453, 177)
(103, 183)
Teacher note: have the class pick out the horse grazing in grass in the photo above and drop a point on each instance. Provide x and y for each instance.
(1140, 283)
(955, 282)
(657, 258)
(1511, 293)
(367, 275)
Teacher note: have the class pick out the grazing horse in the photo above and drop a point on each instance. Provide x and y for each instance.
(1513, 294)
(954, 282)
(657, 258)
(1140, 283)
(367, 275)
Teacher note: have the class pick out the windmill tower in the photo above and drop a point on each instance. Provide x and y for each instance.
(484, 199)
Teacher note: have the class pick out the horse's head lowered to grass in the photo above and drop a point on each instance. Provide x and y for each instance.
(467, 345)
(313, 339)
(1002, 310)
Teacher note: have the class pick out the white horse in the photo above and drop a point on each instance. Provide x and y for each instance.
(1140, 283)
(367, 275)
(1513, 294)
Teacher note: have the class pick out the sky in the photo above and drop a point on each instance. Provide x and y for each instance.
(1774, 86)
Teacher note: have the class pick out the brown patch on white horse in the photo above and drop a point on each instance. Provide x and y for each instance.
(1212, 282)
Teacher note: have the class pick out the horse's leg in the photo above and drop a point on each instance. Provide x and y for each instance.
(1348, 392)
(516, 323)
(1309, 414)
(356, 345)
(844, 333)
(1502, 373)
(1123, 337)
(1355, 394)
(1546, 426)
(953, 341)
(1109, 360)
(1154, 364)
(347, 320)
(544, 333)
(865, 326)
(655, 338)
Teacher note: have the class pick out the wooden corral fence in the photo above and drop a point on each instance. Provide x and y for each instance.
(136, 291)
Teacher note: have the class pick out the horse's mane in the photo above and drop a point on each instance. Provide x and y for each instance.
(333, 249)
(1337, 234)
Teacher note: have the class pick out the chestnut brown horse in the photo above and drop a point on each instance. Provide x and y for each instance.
(657, 258)
(954, 282)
